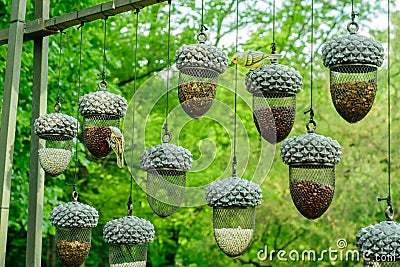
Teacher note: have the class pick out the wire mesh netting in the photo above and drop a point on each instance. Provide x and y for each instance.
(73, 245)
(165, 190)
(274, 115)
(96, 131)
(56, 156)
(233, 228)
(197, 88)
(381, 264)
(312, 188)
(353, 89)
(128, 255)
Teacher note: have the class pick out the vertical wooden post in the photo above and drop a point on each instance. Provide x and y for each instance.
(36, 174)
(9, 115)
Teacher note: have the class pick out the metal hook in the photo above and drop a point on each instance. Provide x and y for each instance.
(102, 85)
(75, 195)
(311, 129)
(389, 213)
(353, 27)
(57, 107)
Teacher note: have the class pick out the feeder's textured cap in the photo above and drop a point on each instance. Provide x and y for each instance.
(74, 215)
(128, 230)
(201, 56)
(56, 126)
(102, 103)
(380, 241)
(352, 49)
(167, 156)
(274, 78)
(233, 191)
(310, 148)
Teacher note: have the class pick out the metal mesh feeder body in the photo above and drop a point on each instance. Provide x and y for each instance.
(379, 244)
(58, 130)
(199, 68)
(128, 238)
(311, 159)
(166, 166)
(353, 61)
(233, 201)
(274, 88)
(74, 222)
(100, 110)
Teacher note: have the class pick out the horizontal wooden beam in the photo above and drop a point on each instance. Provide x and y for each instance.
(39, 28)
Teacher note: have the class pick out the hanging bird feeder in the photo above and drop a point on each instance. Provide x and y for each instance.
(58, 130)
(274, 88)
(74, 222)
(311, 159)
(233, 201)
(101, 111)
(379, 244)
(199, 68)
(128, 238)
(166, 166)
(353, 61)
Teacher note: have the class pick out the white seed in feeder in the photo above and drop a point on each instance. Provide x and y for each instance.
(54, 161)
(130, 264)
(233, 241)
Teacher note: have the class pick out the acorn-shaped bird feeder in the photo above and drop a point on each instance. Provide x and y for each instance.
(199, 68)
(379, 244)
(166, 166)
(274, 88)
(101, 111)
(58, 130)
(128, 238)
(311, 158)
(74, 222)
(353, 61)
(233, 200)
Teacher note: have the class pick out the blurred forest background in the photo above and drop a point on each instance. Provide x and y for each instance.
(186, 238)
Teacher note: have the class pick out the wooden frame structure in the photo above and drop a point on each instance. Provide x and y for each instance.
(37, 30)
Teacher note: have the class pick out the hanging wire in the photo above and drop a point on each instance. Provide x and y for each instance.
(103, 73)
(202, 27)
(234, 163)
(129, 204)
(389, 210)
(75, 192)
(353, 14)
(57, 105)
(311, 110)
(273, 45)
(166, 137)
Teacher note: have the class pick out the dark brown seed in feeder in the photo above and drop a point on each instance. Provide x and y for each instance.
(274, 123)
(353, 100)
(311, 198)
(95, 138)
(196, 98)
(72, 253)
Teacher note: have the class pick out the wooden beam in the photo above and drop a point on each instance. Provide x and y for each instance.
(41, 27)
(9, 116)
(36, 173)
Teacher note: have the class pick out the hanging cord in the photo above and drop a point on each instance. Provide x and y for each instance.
(203, 27)
(57, 105)
(167, 136)
(389, 210)
(353, 14)
(129, 204)
(234, 163)
(273, 45)
(75, 192)
(103, 83)
(311, 110)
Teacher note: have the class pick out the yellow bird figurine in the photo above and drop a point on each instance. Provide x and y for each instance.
(250, 59)
(116, 142)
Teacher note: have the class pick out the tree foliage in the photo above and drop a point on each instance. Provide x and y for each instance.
(186, 238)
